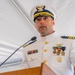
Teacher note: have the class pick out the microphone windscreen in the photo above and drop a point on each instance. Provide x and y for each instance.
(33, 38)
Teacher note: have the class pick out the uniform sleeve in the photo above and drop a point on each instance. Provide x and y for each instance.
(24, 63)
(72, 53)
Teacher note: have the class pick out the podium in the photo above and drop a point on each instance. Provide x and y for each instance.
(42, 70)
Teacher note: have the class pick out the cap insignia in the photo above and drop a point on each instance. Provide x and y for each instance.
(40, 8)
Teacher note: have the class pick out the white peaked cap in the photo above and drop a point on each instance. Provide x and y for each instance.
(47, 7)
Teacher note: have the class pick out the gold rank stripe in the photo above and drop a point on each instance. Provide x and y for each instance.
(71, 37)
(68, 37)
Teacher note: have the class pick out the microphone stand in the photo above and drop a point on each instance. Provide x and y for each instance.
(14, 52)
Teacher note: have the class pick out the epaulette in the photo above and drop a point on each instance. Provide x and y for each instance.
(68, 37)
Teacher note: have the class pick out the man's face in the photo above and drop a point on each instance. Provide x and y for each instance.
(44, 25)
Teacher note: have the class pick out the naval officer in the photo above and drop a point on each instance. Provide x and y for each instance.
(56, 52)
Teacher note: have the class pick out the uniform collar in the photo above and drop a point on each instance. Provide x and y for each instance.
(50, 35)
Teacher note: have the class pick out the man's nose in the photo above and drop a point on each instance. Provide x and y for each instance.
(42, 20)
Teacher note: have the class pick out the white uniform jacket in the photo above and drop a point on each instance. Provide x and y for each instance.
(56, 52)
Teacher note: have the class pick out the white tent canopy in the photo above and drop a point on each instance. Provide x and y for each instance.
(16, 26)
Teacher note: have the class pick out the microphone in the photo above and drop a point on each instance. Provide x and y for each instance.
(33, 39)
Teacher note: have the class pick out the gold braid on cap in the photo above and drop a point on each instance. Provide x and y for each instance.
(43, 14)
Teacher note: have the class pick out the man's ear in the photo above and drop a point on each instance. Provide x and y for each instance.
(53, 22)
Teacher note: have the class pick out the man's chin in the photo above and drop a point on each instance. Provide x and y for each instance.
(42, 32)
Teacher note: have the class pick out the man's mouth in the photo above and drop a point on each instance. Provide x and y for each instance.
(42, 27)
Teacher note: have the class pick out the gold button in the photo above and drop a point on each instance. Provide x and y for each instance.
(45, 50)
(44, 61)
(46, 42)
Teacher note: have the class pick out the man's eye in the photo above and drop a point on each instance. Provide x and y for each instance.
(38, 19)
(45, 17)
